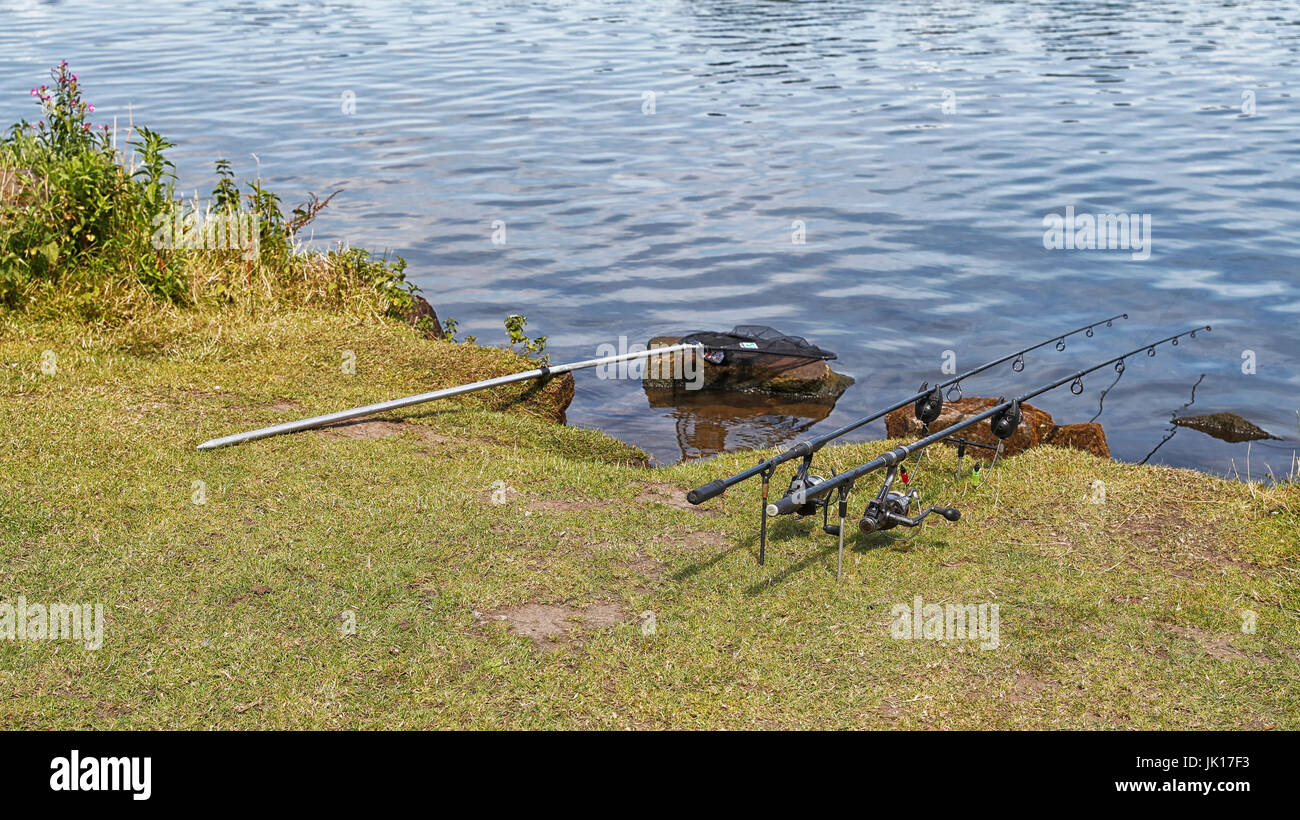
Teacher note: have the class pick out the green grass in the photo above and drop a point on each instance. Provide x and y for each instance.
(230, 613)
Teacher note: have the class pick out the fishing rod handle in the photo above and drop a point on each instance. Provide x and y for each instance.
(703, 493)
(716, 488)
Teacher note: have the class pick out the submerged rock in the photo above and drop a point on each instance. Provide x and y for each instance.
(1037, 428)
(1228, 427)
(708, 422)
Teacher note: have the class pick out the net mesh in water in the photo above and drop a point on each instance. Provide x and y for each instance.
(757, 339)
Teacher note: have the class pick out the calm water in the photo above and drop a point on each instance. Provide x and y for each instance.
(923, 221)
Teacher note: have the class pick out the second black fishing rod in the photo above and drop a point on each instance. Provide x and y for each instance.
(1006, 417)
(929, 402)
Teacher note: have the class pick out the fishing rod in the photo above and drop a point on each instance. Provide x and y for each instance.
(890, 508)
(370, 409)
(928, 404)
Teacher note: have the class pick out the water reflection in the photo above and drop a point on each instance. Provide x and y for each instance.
(708, 422)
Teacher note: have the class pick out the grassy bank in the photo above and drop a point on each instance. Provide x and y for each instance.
(236, 612)
(471, 563)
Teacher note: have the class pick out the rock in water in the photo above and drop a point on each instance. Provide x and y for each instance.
(423, 317)
(1088, 437)
(753, 372)
(1226, 427)
(1037, 428)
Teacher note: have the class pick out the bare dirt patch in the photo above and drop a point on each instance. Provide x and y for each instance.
(648, 567)
(1221, 559)
(1216, 646)
(548, 625)
(373, 429)
(601, 615)
(1158, 530)
(1026, 688)
(367, 430)
(668, 495)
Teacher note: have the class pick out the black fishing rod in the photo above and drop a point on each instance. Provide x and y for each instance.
(928, 404)
(890, 508)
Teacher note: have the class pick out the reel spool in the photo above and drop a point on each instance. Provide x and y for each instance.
(881, 512)
(799, 486)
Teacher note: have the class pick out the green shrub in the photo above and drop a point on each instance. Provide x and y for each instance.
(86, 229)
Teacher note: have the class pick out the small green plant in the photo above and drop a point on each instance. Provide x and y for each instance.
(63, 129)
(531, 347)
(449, 326)
(226, 192)
(273, 239)
(156, 172)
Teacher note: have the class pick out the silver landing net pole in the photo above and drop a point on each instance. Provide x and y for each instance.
(371, 409)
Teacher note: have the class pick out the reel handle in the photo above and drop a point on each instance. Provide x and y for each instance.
(896, 520)
(950, 513)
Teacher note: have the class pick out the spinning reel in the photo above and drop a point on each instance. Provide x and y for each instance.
(802, 482)
(887, 510)
(891, 508)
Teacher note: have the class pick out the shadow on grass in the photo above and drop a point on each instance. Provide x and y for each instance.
(783, 530)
